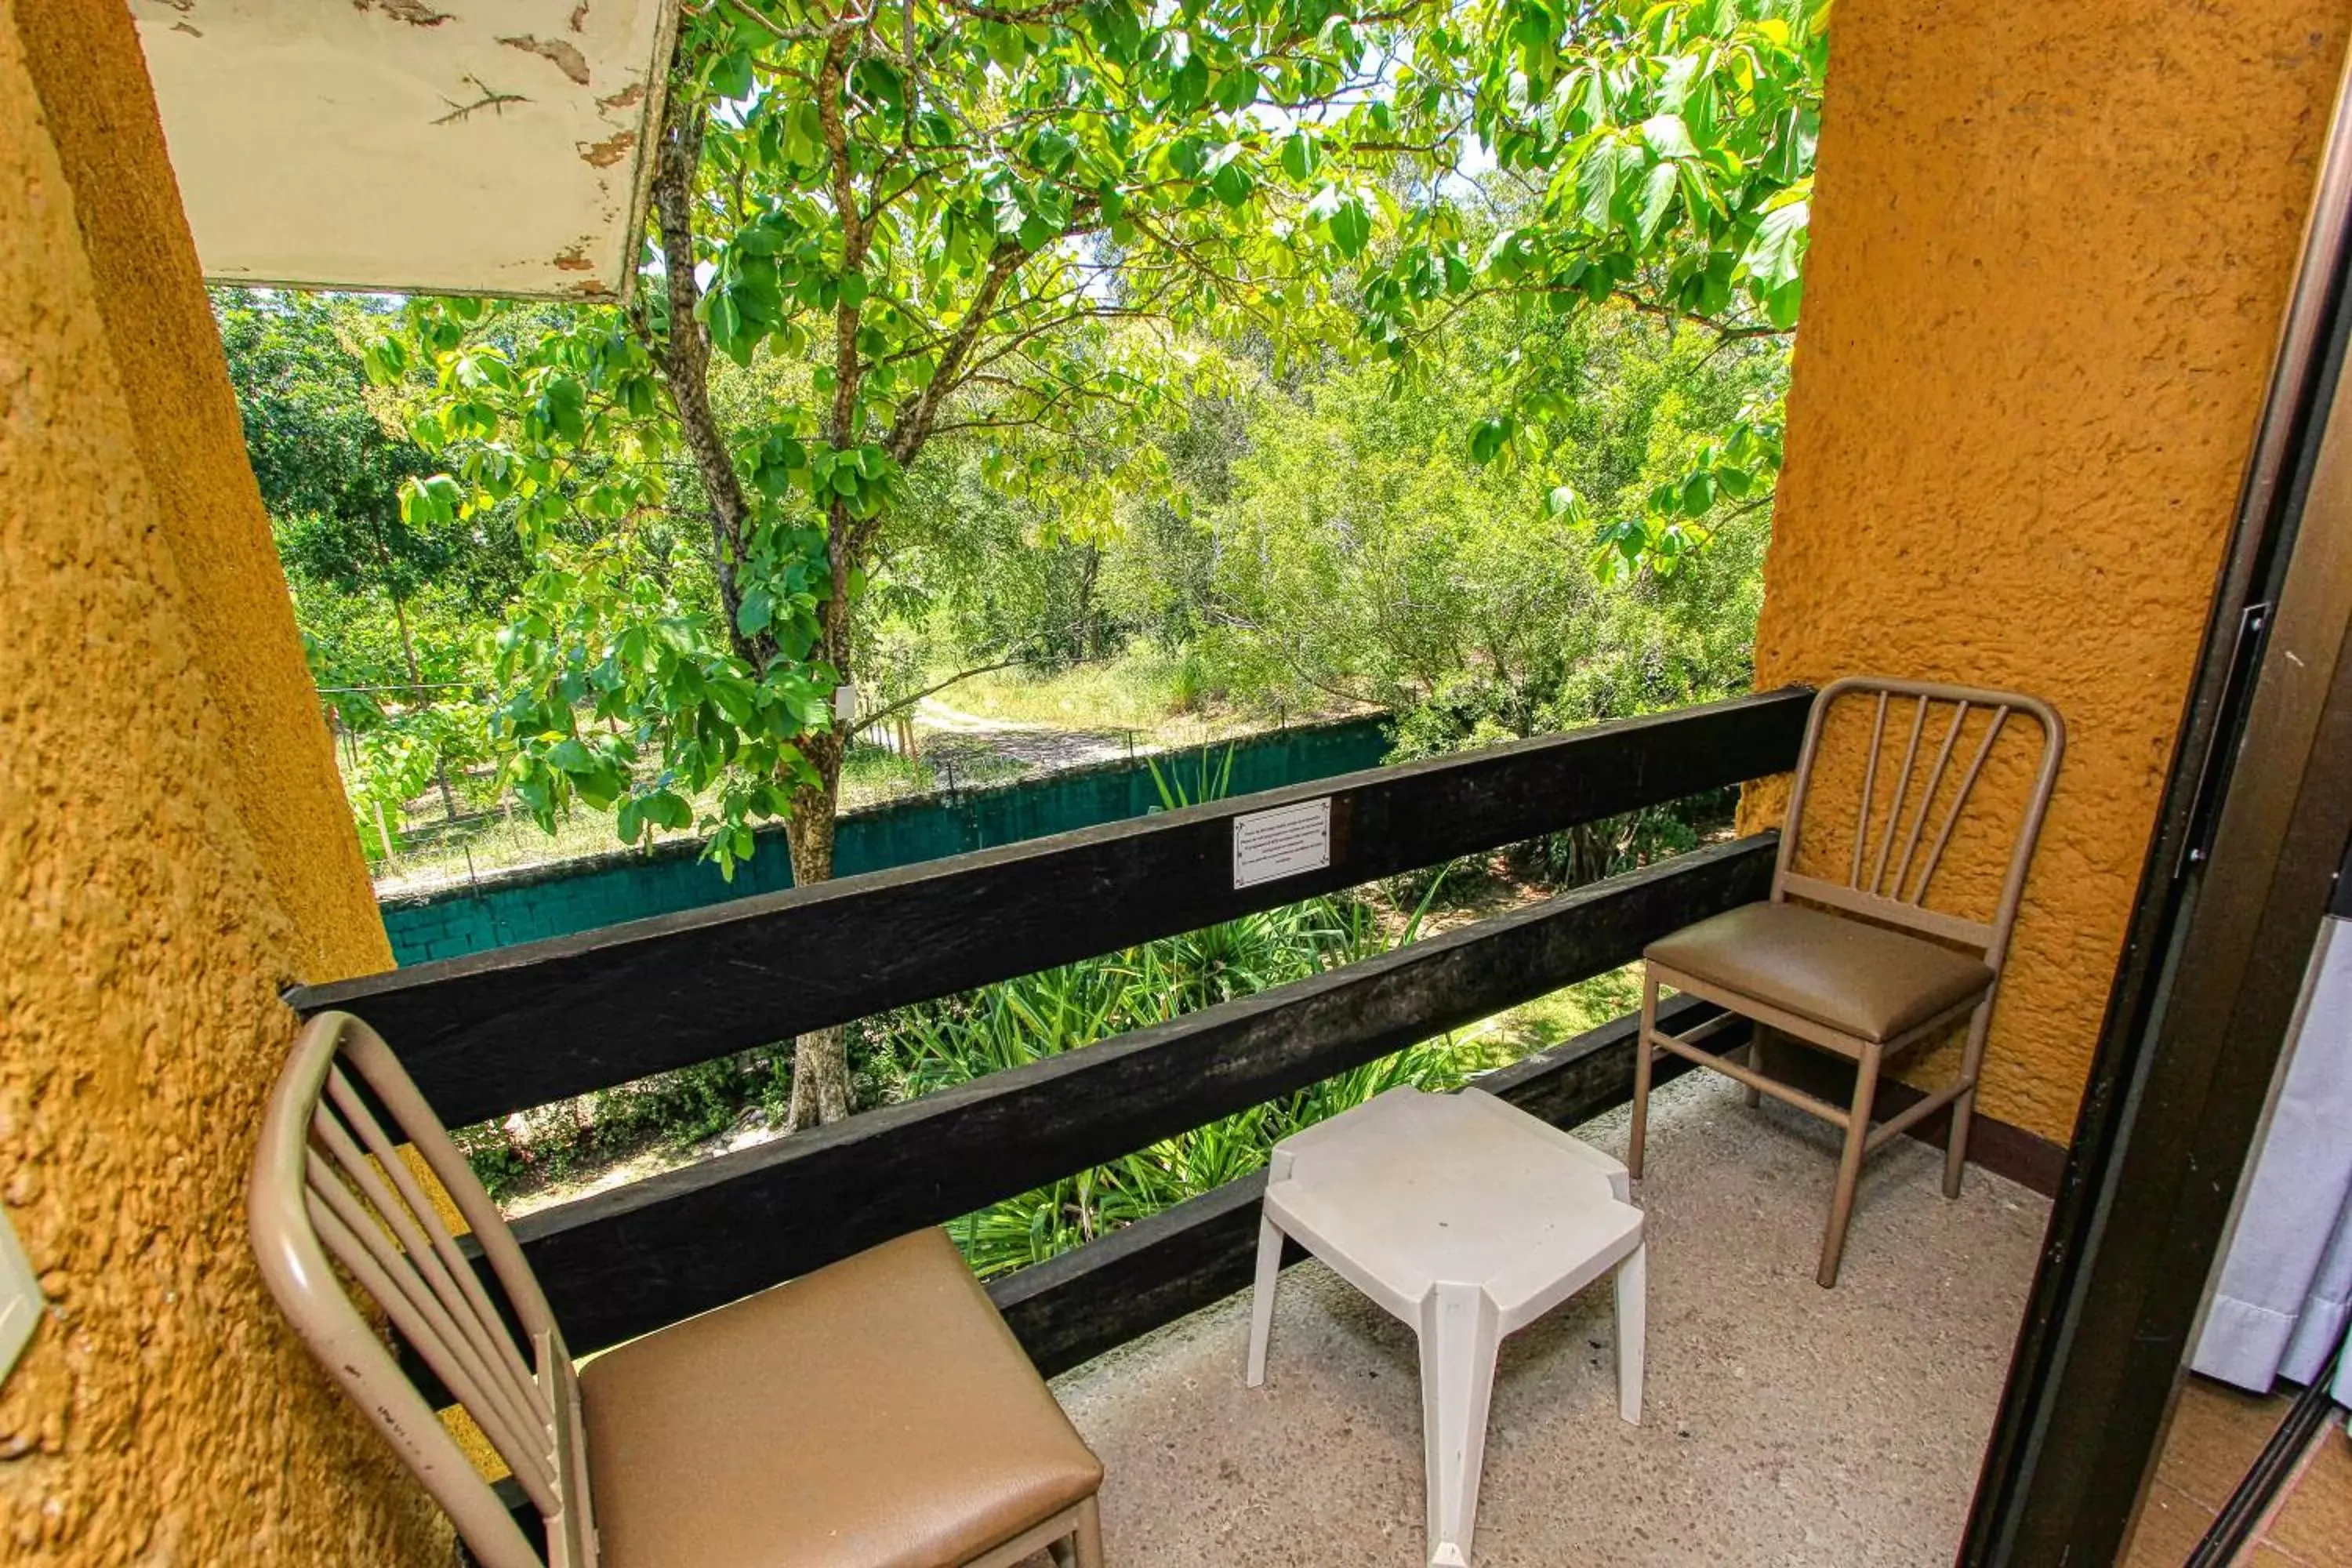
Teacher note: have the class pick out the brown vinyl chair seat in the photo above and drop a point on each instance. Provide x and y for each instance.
(1860, 979)
(863, 1417)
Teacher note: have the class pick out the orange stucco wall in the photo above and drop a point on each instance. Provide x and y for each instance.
(173, 850)
(2051, 248)
(144, 264)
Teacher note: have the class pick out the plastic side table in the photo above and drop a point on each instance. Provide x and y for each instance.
(1468, 1219)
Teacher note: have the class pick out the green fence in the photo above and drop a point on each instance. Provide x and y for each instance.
(523, 905)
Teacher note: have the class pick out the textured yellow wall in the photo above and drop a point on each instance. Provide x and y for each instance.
(154, 782)
(2051, 247)
(148, 283)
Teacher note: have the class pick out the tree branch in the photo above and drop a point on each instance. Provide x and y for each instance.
(914, 424)
(1727, 330)
(684, 357)
(846, 24)
(904, 703)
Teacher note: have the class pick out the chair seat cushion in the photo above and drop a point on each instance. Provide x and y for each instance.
(876, 1413)
(1860, 979)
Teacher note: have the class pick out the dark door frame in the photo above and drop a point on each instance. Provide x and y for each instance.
(2255, 814)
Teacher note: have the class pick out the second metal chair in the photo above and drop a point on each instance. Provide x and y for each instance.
(1860, 964)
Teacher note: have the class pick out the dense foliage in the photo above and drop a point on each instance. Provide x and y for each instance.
(1421, 356)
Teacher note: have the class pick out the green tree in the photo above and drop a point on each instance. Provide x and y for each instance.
(1365, 554)
(390, 610)
(1656, 155)
(941, 212)
(330, 474)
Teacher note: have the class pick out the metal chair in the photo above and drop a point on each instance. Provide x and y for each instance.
(1861, 966)
(876, 1413)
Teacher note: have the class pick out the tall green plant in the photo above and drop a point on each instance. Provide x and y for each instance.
(1079, 1004)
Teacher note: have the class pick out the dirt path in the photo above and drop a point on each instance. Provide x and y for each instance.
(968, 739)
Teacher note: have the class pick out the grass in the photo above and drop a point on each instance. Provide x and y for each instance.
(1566, 1014)
(1167, 698)
(1140, 689)
(870, 776)
(935, 1046)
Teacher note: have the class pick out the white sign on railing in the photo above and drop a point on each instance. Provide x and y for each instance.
(1284, 842)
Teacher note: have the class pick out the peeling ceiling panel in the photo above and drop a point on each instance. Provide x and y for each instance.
(427, 146)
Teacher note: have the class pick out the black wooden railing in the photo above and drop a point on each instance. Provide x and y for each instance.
(493, 1033)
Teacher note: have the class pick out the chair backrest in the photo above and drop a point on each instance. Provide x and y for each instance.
(1899, 841)
(335, 1207)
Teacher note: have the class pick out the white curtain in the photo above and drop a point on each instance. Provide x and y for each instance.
(2285, 1291)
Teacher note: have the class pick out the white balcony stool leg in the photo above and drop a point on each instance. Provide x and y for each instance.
(1460, 1332)
(1269, 1275)
(1632, 1329)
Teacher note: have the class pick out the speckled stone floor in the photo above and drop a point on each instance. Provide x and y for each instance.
(1785, 1423)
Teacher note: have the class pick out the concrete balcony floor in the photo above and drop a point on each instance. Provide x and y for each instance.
(1785, 1423)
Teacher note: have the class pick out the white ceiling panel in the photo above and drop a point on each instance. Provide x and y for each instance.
(434, 146)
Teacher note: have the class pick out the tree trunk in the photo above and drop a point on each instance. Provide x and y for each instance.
(820, 1058)
(684, 357)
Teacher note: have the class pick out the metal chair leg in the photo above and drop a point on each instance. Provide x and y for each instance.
(1964, 1108)
(1857, 1138)
(1642, 1057)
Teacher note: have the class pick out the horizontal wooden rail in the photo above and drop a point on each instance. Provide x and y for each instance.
(624, 1262)
(497, 1031)
(1095, 1298)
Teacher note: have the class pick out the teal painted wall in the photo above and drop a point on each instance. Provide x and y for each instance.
(536, 901)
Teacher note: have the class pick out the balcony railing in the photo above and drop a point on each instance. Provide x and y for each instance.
(493, 1033)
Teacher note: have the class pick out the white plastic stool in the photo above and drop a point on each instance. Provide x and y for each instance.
(1469, 1220)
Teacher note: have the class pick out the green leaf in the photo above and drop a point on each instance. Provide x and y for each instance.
(1232, 185)
(1776, 256)
(730, 76)
(752, 615)
(1300, 156)
(665, 808)
(1189, 87)
(1668, 137)
(726, 322)
(1351, 224)
(564, 407)
(757, 241)
(1657, 195)
(1487, 438)
(385, 361)
(1775, 260)
(571, 756)
(430, 500)
(1597, 179)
